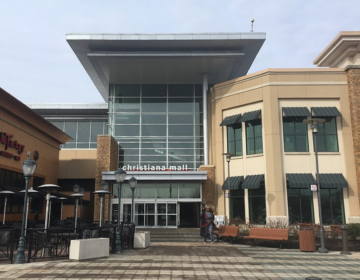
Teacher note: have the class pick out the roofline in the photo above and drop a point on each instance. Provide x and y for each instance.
(12, 104)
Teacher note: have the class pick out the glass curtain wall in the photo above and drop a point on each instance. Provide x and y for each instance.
(157, 125)
(332, 206)
(300, 204)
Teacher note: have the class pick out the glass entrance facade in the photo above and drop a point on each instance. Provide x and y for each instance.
(157, 125)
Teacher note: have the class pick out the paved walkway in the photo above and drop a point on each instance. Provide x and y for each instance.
(195, 261)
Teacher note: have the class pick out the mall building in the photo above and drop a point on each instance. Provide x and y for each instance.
(176, 103)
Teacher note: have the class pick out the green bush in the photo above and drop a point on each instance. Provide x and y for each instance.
(354, 231)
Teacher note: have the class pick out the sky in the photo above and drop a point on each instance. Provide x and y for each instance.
(38, 66)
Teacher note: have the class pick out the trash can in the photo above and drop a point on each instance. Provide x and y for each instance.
(307, 240)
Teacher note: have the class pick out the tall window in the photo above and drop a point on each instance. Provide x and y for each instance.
(295, 135)
(234, 140)
(253, 137)
(237, 206)
(332, 206)
(257, 205)
(300, 206)
(327, 136)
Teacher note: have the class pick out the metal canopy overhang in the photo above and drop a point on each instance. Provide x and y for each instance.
(252, 181)
(332, 181)
(325, 112)
(296, 112)
(191, 176)
(234, 183)
(164, 58)
(300, 180)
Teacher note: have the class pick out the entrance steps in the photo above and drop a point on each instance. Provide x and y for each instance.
(173, 234)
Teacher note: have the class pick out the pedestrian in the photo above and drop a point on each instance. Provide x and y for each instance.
(207, 218)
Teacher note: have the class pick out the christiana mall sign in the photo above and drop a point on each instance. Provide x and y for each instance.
(149, 167)
(6, 139)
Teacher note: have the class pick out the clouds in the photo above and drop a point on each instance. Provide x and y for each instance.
(38, 66)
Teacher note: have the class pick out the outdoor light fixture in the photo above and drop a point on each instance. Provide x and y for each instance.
(120, 177)
(314, 125)
(29, 167)
(228, 158)
(103, 190)
(132, 183)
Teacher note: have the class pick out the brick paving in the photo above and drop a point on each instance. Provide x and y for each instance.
(180, 260)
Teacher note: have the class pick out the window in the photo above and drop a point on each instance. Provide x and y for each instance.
(237, 206)
(295, 135)
(253, 137)
(234, 140)
(327, 136)
(300, 206)
(257, 205)
(332, 206)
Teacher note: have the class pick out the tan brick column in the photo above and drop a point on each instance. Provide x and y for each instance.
(353, 79)
(106, 160)
(208, 187)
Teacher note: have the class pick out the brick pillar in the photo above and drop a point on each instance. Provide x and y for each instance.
(208, 187)
(353, 80)
(106, 160)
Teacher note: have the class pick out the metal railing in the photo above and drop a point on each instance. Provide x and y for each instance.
(7, 244)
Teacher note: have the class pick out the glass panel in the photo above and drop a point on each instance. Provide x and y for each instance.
(337, 206)
(289, 143)
(257, 206)
(154, 105)
(139, 220)
(302, 143)
(238, 134)
(238, 148)
(129, 145)
(127, 105)
(198, 90)
(139, 208)
(249, 130)
(70, 129)
(171, 208)
(181, 130)
(150, 208)
(237, 208)
(189, 190)
(330, 127)
(250, 149)
(331, 143)
(96, 129)
(181, 152)
(59, 125)
(150, 220)
(181, 90)
(326, 207)
(199, 119)
(82, 145)
(153, 145)
(181, 119)
(181, 145)
(231, 147)
(153, 119)
(198, 105)
(258, 145)
(69, 145)
(161, 208)
(181, 105)
(83, 132)
(289, 127)
(127, 213)
(154, 90)
(153, 130)
(127, 90)
(258, 130)
(230, 134)
(300, 127)
(171, 220)
(161, 220)
(152, 158)
(126, 119)
(320, 139)
(127, 130)
(155, 152)
(125, 190)
(145, 191)
(163, 191)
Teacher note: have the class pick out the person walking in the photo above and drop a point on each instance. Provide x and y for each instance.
(207, 218)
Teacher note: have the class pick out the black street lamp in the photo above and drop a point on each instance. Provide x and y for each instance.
(132, 183)
(103, 190)
(228, 158)
(120, 177)
(314, 125)
(29, 167)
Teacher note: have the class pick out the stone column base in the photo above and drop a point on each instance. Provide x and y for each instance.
(353, 219)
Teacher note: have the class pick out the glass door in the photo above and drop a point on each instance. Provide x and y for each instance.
(144, 214)
(127, 213)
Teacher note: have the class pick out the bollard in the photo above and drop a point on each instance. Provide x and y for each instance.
(345, 245)
(312, 278)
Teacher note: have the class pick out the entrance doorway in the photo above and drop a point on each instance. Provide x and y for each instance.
(189, 214)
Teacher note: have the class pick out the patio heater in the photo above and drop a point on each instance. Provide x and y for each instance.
(51, 198)
(62, 202)
(314, 125)
(82, 191)
(29, 167)
(76, 195)
(31, 193)
(48, 188)
(103, 190)
(5, 194)
(132, 183)
(120, 177)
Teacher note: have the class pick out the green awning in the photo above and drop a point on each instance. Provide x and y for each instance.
(296, 112)
(249, 116)
(252, 181)
(325, 112)
(234, 182)
(300, 180)
(231, 120)
(332, 181)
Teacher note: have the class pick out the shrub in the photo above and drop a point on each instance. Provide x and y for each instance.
(354, 231)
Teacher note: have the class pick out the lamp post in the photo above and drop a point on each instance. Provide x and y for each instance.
(61, 209)
(228, 158)
(82, 191)
(47, 188)
(132, 183)
(103, 190)
(314, 125)
(29, 167)
(120, 177)
(31, 193)
(76, 195)
(6, 194)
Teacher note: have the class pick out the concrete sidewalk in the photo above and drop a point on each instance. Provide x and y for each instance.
(195, 261)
